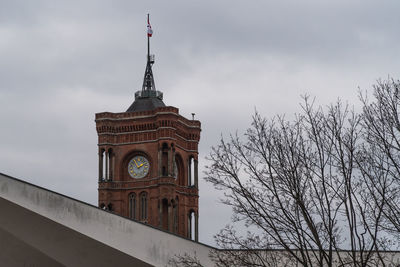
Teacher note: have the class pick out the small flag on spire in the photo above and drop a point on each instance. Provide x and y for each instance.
(149, 29)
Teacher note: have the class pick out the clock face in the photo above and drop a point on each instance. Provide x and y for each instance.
(138, 167)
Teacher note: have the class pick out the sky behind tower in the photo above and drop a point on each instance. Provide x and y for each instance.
(63, 61)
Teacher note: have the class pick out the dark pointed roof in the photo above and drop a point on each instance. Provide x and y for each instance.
(146, 103)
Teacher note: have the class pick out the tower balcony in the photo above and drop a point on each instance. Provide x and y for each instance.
(148, 93)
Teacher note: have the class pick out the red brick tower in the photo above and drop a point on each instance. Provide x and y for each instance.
(148, 162)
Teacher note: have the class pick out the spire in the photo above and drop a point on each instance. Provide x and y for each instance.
(148, 81)
(148, 98)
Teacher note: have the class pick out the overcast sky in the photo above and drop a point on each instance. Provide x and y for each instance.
(63, 61)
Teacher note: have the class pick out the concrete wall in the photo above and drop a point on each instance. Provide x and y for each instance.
(54, 228)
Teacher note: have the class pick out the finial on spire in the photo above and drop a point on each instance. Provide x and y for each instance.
(149, 34)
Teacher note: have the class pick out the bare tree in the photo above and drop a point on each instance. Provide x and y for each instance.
(299, 187)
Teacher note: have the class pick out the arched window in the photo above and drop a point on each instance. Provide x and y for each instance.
(175, 215)
(179, 170)
(176, 169)
(110, 164)
(191, 173)
(164, 159)
(132, 206)
(191, 225)
(164, 215)
(143, 206)
(106, 165)
(102, 165)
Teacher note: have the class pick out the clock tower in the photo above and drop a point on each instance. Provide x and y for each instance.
(148, 158)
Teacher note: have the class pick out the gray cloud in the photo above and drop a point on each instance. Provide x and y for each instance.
(63, 61)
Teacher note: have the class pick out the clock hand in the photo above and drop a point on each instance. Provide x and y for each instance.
(136, 164)
(140, 165)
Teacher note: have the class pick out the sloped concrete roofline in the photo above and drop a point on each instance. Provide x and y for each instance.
(51, 227)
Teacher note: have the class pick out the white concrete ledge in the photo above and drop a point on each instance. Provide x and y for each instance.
(74, 233)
